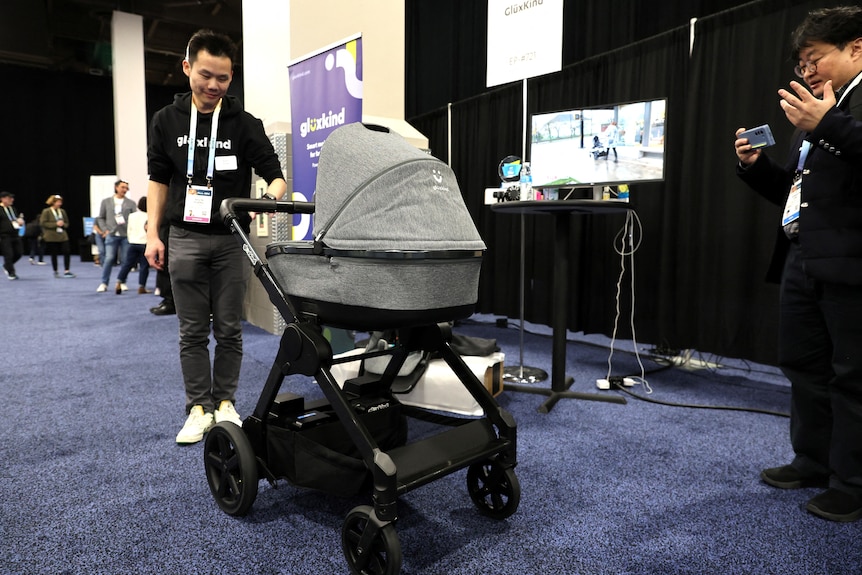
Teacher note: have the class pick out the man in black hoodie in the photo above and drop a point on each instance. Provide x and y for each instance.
(201, 150)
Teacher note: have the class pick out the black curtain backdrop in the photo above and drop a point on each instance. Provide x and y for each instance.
(58, 130)
(706, 238)
(447, 40)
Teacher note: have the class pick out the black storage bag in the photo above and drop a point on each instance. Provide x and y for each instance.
(323, 457)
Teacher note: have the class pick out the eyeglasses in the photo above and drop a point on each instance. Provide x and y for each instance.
(811, 65)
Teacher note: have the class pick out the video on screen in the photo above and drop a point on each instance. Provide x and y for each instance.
(602, 145)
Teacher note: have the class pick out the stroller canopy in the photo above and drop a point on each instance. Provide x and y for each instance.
(377, 192)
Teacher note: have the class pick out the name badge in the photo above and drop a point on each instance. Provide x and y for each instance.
(198, 206)
(794, 200)
(225, 163)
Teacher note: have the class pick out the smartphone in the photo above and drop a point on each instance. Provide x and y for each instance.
(759, 137)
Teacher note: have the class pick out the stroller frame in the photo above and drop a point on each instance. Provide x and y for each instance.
(236, 458)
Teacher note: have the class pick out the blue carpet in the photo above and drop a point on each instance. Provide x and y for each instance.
(92, 482)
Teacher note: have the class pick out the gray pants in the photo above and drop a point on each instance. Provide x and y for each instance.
(208, 277)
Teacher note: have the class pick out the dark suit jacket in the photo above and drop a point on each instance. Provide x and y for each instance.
(6, 227)
(830, 221)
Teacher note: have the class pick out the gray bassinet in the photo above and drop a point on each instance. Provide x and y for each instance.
(394, 244)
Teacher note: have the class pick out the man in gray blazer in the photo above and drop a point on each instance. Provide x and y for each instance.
(113, 217)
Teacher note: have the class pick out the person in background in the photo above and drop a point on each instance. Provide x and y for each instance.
(612, 135)
(188, 182)
(112, 221)
(99, 240)
(54, 222)
(35, 246)
(818, 259)
(137, 234)
(163, 282)
(10, 239)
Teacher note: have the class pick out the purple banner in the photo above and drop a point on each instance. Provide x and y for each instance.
(325, 93)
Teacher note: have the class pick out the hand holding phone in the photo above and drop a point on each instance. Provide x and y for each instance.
(759, 137)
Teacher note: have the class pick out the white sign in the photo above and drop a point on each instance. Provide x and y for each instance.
(525, 39)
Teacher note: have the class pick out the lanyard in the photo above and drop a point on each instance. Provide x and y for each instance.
(849, 88)
(193, 125)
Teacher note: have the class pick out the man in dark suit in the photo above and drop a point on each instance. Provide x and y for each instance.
(820, 257)
(10, 241)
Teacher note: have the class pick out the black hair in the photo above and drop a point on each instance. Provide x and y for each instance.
(118, 182)
(214, 43)
(838, 26)
(142, 203)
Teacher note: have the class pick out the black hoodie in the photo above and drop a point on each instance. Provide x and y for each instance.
(240, 135)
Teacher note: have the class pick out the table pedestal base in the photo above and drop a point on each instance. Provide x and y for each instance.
(524, 374)
(554, 395)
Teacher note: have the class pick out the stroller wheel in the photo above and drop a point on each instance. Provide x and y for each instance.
(494, 490)
(231, 468)
(381, 555)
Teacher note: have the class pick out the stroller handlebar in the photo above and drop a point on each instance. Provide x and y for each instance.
(230, 206)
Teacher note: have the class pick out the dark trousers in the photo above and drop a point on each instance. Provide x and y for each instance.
(37, 248)
(163, 276)
(12, 248)
(209, 274)
(56, 248)
(135, 255)
(820, 352)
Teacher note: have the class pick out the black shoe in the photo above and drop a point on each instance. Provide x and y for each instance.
(163, 308)
(836, 505)
(788, 477)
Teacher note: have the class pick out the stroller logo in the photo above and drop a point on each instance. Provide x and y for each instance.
(325, 121)
(437, 176)
(346, 59)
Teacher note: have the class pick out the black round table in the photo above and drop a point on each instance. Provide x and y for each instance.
(561, 210)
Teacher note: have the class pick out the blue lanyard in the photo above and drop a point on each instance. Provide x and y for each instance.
(193, 126)
(803, 155)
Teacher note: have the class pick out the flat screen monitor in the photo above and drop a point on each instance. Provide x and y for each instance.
(599, 145)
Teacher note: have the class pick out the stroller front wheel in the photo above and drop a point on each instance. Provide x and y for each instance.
(370, 548)
(231, 468)
(495, 490)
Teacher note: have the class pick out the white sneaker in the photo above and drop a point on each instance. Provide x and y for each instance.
(197, 423)
(102, 287)
(124, 287)
(227, 412)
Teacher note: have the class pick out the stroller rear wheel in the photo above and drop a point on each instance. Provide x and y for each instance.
(494, 490)
(231, 468)
(380, 555)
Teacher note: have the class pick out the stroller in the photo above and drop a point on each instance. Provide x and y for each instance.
(599, 150)
(394, 249)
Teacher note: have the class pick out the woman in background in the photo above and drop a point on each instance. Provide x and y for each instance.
(54, 222)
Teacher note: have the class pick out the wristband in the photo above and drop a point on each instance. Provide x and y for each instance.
(268, 196)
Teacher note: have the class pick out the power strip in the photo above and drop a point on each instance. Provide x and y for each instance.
(616, 381)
